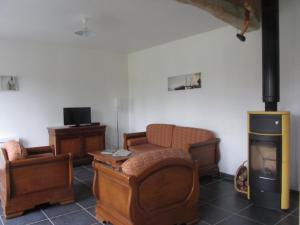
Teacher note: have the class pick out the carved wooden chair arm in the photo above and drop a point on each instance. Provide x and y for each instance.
(40, 160)
(40, 150)
(214, 141)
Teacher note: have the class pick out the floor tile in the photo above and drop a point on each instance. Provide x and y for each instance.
(293, 205)
(291, 220)
(209, 180)
(296, 213)
(84, 195)
(78, 218)
(237, 220)
(207, 194)
(294, 196)
(29, 217)
(201, 202)
(265, 216)
(81, 190)
(211, 214)
(202, 223)
(233, 203)
(222, 188)
(88, 182)
(89, 167)
(92, 210)
(87, 201)
(44, 222)
(82, 173)
(58, 210)
(216, 190)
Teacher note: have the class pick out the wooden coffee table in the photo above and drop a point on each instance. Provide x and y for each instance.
(114, 161)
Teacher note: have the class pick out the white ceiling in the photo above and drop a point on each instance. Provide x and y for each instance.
(120, 25)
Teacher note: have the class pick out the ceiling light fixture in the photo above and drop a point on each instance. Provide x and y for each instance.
(85, 32)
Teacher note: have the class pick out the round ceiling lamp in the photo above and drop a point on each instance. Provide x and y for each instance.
(85, 32)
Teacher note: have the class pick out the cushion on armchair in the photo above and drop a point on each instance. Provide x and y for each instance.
(14, 150)
(160, 134)
(140, 162)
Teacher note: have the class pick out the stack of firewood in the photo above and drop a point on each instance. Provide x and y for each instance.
(241, 179)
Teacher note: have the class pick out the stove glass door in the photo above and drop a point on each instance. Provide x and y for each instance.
(265, 161)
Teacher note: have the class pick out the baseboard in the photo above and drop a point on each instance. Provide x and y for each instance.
(227, 176)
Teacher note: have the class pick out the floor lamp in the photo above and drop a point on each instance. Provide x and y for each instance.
(117, 108)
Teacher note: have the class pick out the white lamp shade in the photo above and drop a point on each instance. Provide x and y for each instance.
(117, 104)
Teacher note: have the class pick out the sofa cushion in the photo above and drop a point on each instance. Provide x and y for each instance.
(136, 141)
(137, 164)
(145, 148)
(184, 136)
(160, 134)
(14, 150)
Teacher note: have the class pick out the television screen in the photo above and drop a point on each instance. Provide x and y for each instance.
(77, 116)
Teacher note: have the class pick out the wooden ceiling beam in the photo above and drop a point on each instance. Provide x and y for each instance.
(230, 11)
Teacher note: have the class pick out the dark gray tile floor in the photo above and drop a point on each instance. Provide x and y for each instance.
(219, 204)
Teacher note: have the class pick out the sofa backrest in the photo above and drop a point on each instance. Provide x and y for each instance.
(160, 134)
(183, 136)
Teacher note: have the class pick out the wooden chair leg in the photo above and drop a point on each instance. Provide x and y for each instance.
(66, 202)
(13, 215)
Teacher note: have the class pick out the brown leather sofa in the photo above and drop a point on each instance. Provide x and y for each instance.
(157, 187)
(201, 144)
(33, 176)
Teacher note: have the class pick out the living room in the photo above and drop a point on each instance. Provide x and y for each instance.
(121, 71)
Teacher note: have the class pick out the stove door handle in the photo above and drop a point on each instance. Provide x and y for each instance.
(267, 178)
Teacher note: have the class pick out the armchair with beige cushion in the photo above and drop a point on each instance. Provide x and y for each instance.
(157, 187)
(201, 144)
(33, 176)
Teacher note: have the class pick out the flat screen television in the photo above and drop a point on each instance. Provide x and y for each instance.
(77, 116)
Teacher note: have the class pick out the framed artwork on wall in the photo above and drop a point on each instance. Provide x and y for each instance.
(9, 83)
(184, 82)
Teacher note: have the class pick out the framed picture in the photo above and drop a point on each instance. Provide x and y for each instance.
(184, 82)
(9, 83)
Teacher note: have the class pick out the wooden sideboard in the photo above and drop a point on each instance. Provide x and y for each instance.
(77, 140)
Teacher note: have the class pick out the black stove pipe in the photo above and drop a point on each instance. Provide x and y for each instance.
(270, 53)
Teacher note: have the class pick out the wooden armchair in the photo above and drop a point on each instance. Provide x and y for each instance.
(158, 187)
(35, 179)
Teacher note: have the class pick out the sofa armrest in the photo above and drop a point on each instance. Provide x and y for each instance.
(128, 136)
(39, 150)
(39, 160)
(4, 177)
(206, 152)
(212, 142)
(136, 141)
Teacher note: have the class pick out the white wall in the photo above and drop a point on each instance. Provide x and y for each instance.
(53, 77)
(231, 85)
(290, 79)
